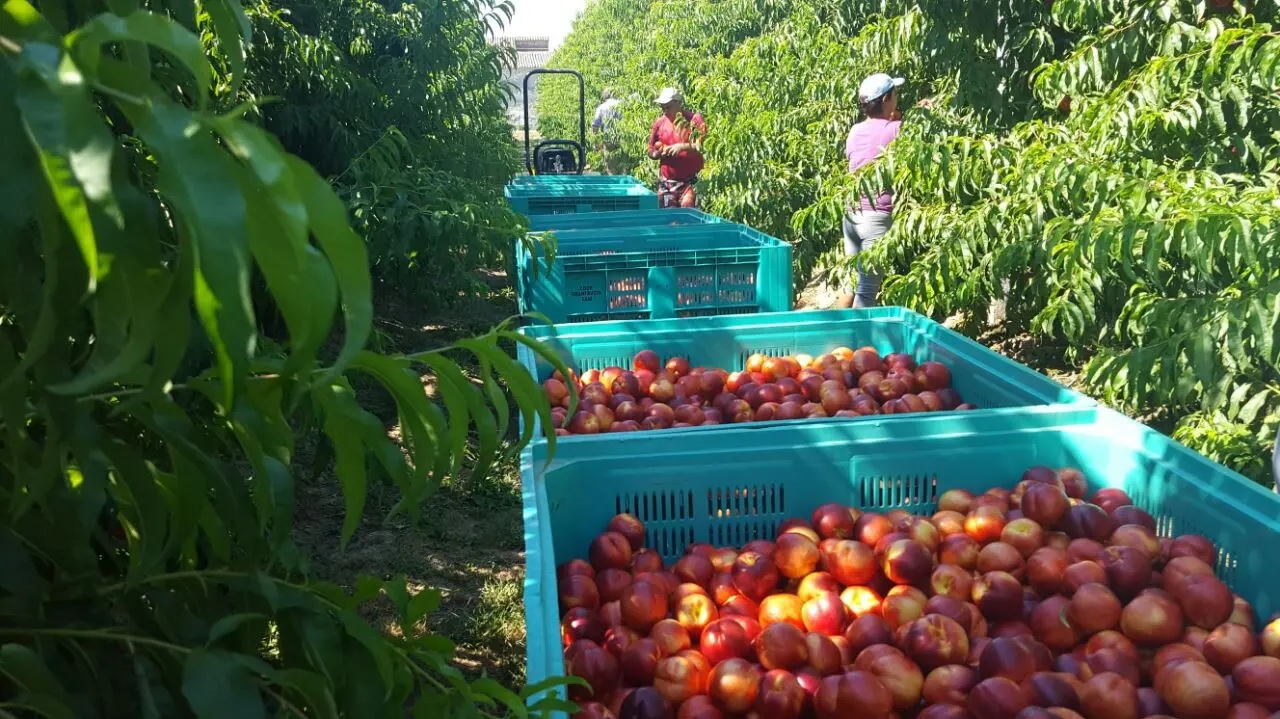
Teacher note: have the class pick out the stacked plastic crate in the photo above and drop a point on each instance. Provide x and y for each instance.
(686, 284)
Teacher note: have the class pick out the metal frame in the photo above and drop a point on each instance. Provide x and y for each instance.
(580, 144)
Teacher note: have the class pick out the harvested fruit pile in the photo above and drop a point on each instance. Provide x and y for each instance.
(843, 383)
(1026, 603)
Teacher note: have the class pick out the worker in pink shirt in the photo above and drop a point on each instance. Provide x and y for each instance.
(675, 141)
(871, 218)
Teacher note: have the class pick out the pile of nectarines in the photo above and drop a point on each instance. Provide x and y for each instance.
(1029, 603)
(843, 383)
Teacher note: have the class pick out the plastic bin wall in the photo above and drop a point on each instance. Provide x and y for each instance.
(656, 273)
(548, 199)
(731, 486)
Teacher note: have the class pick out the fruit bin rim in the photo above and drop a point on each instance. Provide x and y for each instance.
(1209, 492)
(617, 219)
(977, 358)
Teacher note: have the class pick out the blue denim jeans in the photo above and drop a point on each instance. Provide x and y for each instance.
(862, 230)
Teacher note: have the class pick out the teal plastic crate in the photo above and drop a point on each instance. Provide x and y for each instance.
(732, 486)
(656, 272)
(612, 220)
(589, 180)
(558, 199)
(981, 376)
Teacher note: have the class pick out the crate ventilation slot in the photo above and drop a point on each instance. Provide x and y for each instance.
(657, 510)
(781, 351)
(914, 492)
(741, 514)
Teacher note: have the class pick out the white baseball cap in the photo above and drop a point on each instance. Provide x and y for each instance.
(877, 86)
(669, 94)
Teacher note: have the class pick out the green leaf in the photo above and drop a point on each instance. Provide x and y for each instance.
(144, 27)
(327, 219)
(337, 403)
(300, 281)
(229, 624)
(461, 402)
(313, 688)
(1249, 412)
(509, 699)
(73, 147)
(198, 178)
(422, 605)
(218, 686)
(233, 33)
(1202, 360)
(27, 670)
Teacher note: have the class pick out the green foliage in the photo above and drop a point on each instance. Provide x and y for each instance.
(151, 438)
(1135, 222)
(401, 104)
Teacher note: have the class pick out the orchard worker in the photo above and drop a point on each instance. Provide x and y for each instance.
(863, 226)
(602, 127)
(676, 143)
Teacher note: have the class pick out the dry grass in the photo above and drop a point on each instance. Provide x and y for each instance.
(468, 543)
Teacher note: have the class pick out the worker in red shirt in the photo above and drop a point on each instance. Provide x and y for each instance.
(676, 143)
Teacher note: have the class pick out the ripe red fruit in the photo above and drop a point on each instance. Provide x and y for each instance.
(1080, 574)
(825, 614)
(907, 562)
(1205, 601)
(900, 675)
(1228, 645)
(796, 555)
(985, 524)
(933, 375)
(781, 646)
(629, 526)
(645, 703)
(1109, 695)
(834, 520)
(1093, 608)
(725, 639)
(639, 661)
(1050, 627)
(1257, 680)
(1088, 521)
(599, 668)
(1194, 690)
(755, 575)
(1044, 503)
(1152, 619)
(1129, 571)
(579, 623)
(1045, 569)
(579, 590)
(868, 630)
(852, 694)
(734, 685)
(949, 684)
(647, 360)
(643, 605)
(960, 550)
(850, 562)
(996, 698)
(610, 549)
(780, 696)
(682, 676)
(698, 707)
(998, 595)
(933, 641)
